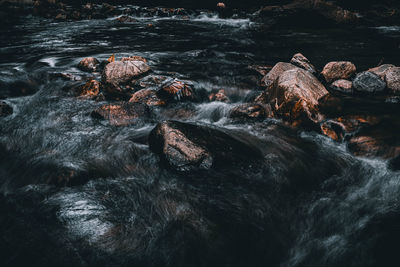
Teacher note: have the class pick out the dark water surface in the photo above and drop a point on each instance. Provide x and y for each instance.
(311, 204)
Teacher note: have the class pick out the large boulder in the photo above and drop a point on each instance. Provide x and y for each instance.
(269, 80)
(338, 70)
(88, 64)
(121, 114)
(302, 62)
(187, 147)
(119, 72)
(5, 109)
(368, 82)
(392, 77)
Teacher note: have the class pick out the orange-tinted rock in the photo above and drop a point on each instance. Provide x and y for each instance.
(125, 19)
(376, 145)
(176, 90)
(88, 64)
(269, 80)
(122, 113)
(392, 77)
(302, 62)
(333, 129)
(343, 86)
(303, 114)
(134, 58)
(338, 70)
(91, 89)
(219, 96)
(251, 111)
(147, 96)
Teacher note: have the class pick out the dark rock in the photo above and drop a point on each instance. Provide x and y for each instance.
(302, 62)
(333, 129)
(147, 96)
(123, 113)
(368, 82)
(88, 64)
(251, 111)
(338, 70)
(18, 88)
(343, 86)
(5, 109)
(187, 147)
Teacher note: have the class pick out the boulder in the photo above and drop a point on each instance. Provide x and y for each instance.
(134, 58)
(175, 89)
(118, 72)
(251, 111)
(187, 147)
(5, 109)
(147, 96)
(343, 86)
(219, 96)
(302, 62)
(88, 64)
(392, 78)
(381, 70)
(368, 82)
(338, 70)
(123, 113)
(269, 79)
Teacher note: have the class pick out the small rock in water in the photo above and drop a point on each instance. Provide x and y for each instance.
(125, 19)
(123, 113)
(302, 62)
(147, 96)
(176, 90)
(343, 86)
(219, 96)
(251, 111)
(338, 70)
(368, 82)
(392, 78)
(91, 89)
(5, 109)
(88, 64)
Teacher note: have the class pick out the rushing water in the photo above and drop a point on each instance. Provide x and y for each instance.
(311, 203)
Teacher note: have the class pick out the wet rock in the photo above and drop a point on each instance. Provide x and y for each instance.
(91, 89)
(219, 96)
(373, 146)
(88, 64)
(333, 129)
(188, 147)
(269, 79)
(392, 78)
(368, 82)
(302, 62)
(5, 109)
(118, 72)
(176, 90)
(123, 113)
(125, 19)
(18, 88)
(260, 69)
(381, 70)
(147, 96)
(134, 58)
(338, 70)
(251, 111)
(343, 86)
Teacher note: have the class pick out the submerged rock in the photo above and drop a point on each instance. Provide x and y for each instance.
(187, 147)
(121, 114)
(5, 109)
(338, 70)
(251, 111)
(302, 62)
(88, 64)
(368, 82)
(343, 86)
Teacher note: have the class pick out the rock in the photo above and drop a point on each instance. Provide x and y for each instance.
(221, 5)
(5, 109)
(338, 70)
(18, 88)
(134, 58)
(119, 72)
(302, 62)
(368, 82)
(88, 64)
(122, 113)
(91, 89)
(269, 79)
(61, 17)
(147, 96)
(125, 19)
(373, 146)
(333, 129)
(392, 78)
(189, 147)
(219, 96)
(343, 86)
(251, 111)
(381, 70)
(176, 90)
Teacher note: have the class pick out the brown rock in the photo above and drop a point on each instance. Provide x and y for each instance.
(119, 72)
(88, 64)
(147, 96)
(134, 58)
(333, 129)
(5, 109)
(122, 113)
(302, 62)
(343, 86)
(381, 70)
(176, 90)
(219, 96)
(125, 19)
(272, 76)
(91, 89)
(251, 111)
(392, 78)
(338, 70)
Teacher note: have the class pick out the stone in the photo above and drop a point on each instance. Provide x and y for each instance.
(338, 70)
(343, 86)
(123, 113)
(175, 89)
(134, 58)
(368, 82)
(219, 96)
(392, 78)
(147, 96)
(302, 62)
(381, 70)
(251, 111)
(91, 89)
(269, 79)
(118, 72)
(125, 19)
(88, 64)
